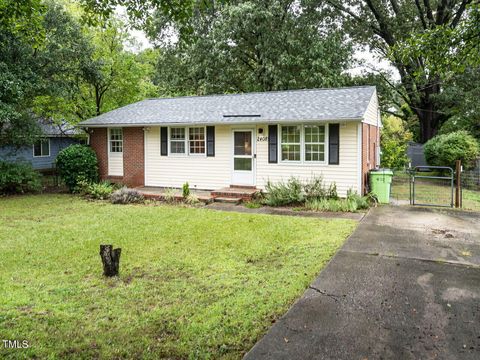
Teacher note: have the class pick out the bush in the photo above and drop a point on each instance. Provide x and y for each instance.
(126, 196)
(192, 199)
(314, 188)
(100, 191)
(332, 191)
(77, 163)
(252, 205)
(444, 150)
(169, 195)
(294, 192)
(394, 140)
(282, 193)
(18, 178)
(332, 205)
(185, 190)
(362, 202)
(352, 203)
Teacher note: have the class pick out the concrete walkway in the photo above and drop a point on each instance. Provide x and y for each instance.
(406, 285)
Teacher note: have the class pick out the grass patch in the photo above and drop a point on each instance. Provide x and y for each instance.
(252, 205)
(194, 283)
(429, 192)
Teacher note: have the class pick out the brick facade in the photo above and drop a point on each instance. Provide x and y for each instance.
(133, 155)
(370, 145)
(98, 142)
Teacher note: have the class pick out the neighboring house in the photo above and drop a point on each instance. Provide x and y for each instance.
(244, 140)
(43, 153)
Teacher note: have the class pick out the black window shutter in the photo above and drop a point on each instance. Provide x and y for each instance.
(164, 141)
(210, 140)
(333, 144)
(272, 144)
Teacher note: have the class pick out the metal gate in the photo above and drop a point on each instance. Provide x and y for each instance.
(432, 186)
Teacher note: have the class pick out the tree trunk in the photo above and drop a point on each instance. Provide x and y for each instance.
(429, 117)
(110, 259)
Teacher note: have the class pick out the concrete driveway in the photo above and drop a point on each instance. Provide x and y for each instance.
(406, 285)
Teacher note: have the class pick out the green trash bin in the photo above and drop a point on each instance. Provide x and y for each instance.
(380, 182)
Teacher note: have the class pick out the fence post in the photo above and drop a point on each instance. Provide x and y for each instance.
(458, 171)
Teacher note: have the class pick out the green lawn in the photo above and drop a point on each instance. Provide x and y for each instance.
(194, 283)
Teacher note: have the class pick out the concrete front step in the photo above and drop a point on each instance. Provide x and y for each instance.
(228, 200)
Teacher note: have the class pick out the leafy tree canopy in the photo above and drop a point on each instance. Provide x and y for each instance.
(384, 25)
(394, 141)
(28, 70)
(243, 46)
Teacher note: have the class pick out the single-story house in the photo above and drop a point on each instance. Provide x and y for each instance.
(42, 154)
(243, 140)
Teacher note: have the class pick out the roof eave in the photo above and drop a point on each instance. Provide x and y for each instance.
(259, 121)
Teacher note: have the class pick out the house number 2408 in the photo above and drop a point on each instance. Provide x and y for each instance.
(262, 138)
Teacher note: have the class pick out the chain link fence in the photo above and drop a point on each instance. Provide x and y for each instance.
(434, 191)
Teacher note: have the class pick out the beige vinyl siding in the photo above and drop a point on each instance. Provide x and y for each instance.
(200, 171)
(371, 115)
(345, 175)
(216, 172)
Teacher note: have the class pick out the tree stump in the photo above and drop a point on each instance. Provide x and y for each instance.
(110, 259)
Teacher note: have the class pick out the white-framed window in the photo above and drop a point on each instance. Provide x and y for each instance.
(196, 140)
(304, 143)
(115, 140)
(178, 140)
(314, 143)
(291, 143)
(41, 148)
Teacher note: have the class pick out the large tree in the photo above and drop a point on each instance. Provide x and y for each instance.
(256, 45)
(32, 67)
(384, 24)
(102, 74)
(111, 76)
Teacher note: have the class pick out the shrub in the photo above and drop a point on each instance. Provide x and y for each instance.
(192, 199)
(444, 150)
(282, 193)
(394, 140)
(185, 190)
(100, 191)
(332, 191)
(296, 192)
(314, 188)
(169, 195)
(75, 164)
(18, 178)
(126, 196)
(352, 203)
(332, 205)
(253, 205)
(362, 202)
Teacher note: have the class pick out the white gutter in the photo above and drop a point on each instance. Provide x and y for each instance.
(257, 121)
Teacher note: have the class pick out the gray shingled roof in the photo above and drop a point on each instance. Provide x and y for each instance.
(52, 129)
(293, 105)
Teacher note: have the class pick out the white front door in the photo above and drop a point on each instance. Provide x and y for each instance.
(243, 158)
